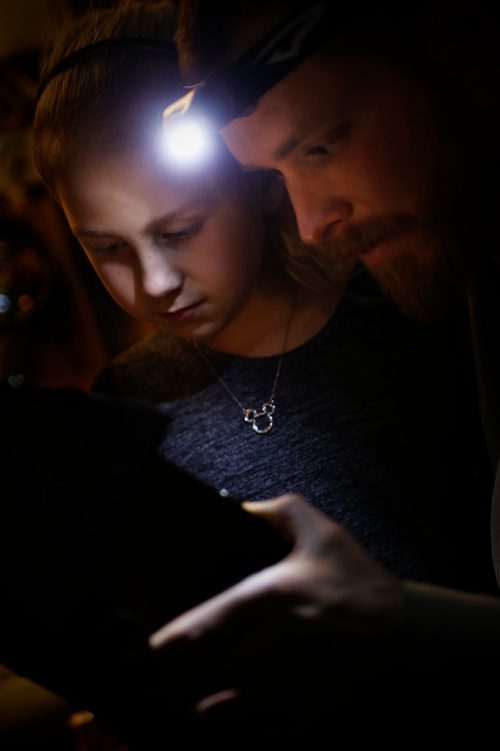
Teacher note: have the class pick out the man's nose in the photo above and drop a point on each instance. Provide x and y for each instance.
(319, 215)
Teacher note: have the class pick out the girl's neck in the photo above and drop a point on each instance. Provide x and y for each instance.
(277, 320)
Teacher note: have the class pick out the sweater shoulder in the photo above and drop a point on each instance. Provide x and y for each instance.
(159, 368)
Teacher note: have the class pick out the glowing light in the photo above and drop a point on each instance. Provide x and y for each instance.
(187, 142)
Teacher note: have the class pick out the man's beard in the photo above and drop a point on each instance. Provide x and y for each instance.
(423, 269)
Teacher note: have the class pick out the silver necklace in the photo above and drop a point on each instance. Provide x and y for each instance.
(261, 419)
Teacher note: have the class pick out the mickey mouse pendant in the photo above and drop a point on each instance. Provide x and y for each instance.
(265, 418)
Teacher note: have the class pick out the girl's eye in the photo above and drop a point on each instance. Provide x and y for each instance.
(182, 234)
(111, 247)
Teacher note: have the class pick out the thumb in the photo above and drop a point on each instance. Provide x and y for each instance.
(292, 516)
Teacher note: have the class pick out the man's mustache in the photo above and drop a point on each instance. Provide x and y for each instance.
(359, 238)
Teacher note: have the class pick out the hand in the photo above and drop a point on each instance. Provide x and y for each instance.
(270, 635)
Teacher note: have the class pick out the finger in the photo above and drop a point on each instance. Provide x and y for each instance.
(251, 593)
(296, 520)
(269, 706)
(210, 703)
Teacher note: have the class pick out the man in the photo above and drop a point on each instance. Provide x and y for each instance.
(385, 161)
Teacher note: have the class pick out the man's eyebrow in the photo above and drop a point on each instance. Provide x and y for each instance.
(288, 145)
(309, 125)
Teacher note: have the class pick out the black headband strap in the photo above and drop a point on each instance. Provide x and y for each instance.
(230, 90)
(116, 43)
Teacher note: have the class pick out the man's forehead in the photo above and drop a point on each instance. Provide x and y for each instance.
(266, 138)
(263, 79)
(313, 96)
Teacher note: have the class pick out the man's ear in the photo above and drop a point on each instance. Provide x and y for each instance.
(273, 192)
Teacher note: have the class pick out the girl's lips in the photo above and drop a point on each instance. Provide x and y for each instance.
(183, 314)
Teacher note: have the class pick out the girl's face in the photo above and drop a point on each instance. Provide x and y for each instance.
(183, 252)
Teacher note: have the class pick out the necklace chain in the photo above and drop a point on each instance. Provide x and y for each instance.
(260, 420)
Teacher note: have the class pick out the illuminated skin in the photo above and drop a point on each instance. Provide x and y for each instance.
(356, 148)
(184, 252)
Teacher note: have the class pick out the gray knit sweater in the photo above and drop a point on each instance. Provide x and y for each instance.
(376, 424)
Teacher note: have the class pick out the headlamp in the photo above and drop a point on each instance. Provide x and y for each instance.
(190, 140)
(235, 89)
(190, 124)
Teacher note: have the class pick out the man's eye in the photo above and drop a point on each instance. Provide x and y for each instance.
(275, 174)
(319, 151)
(278, 175)
(329, 143)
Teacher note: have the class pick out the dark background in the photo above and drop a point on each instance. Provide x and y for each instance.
(58, 326)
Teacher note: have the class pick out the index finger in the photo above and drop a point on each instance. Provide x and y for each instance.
(218, 611)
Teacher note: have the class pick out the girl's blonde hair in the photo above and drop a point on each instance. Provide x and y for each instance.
(100, 84)
(107, 87)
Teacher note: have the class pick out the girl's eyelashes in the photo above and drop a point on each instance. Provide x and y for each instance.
(182, 234)
(109, 245)
(106, 247)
